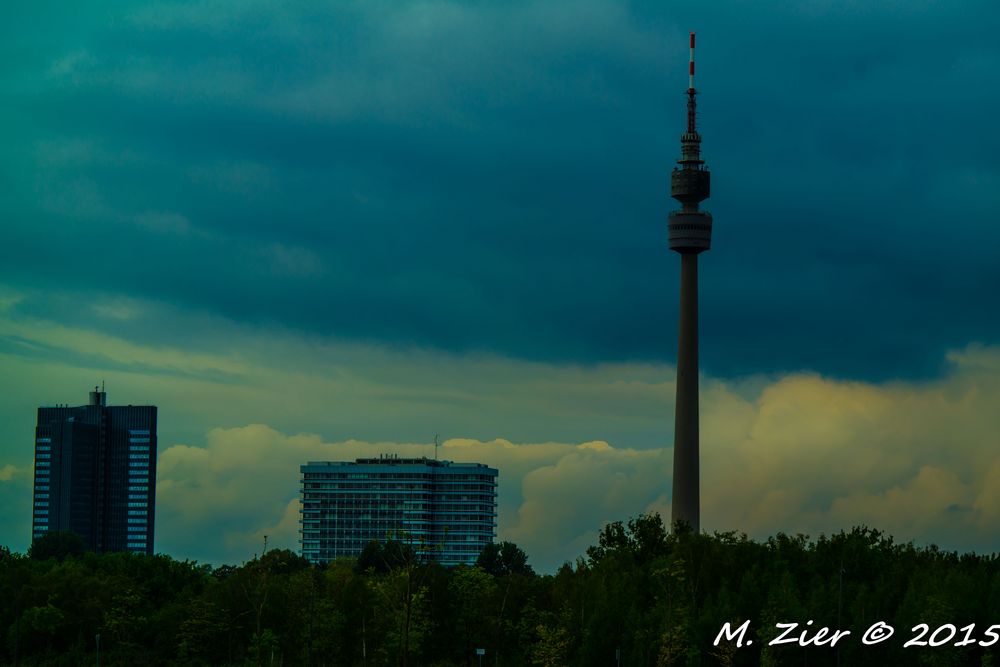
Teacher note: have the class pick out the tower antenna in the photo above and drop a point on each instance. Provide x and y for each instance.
(691, 90)
(435, 446)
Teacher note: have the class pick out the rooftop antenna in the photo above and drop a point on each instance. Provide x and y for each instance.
(435, 446)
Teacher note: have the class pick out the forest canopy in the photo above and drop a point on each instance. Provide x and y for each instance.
(642, 595)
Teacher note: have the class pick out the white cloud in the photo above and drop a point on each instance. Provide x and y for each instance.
(918, 459)
(577, 446)
(806, 454)
(218, 502)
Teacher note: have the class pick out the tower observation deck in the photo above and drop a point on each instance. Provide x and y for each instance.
(690, 229)
(689, 233)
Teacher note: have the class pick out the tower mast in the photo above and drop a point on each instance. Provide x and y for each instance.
(690, 233)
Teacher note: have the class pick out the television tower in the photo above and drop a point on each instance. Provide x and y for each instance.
(690, 233)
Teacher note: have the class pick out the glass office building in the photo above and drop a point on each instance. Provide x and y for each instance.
(445, 511)
(95, 474)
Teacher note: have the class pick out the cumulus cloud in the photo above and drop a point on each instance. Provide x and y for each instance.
(801, 454)
(917, 459)
(218, 501)
(577, 446)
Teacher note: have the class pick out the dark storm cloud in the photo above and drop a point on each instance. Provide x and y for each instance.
(483, 177)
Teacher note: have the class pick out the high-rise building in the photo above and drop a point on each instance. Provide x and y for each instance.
(445, 511)
(690, 233)
(95, 474)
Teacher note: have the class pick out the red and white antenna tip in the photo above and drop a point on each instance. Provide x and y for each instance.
(691, 66)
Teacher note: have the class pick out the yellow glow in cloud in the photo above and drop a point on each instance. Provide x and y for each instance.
(807, 454)
(921, 460)
(244, 484)
(797, 453)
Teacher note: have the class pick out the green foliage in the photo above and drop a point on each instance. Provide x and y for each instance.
(380, 558)
(473, 592)
(504, 558)
(552, 647)
(656, 598)
(58, 545)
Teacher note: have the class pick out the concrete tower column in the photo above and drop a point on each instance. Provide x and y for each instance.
(690, 233)
(686, 495)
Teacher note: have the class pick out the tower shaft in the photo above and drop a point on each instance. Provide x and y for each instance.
(690, 233)
(686, 492)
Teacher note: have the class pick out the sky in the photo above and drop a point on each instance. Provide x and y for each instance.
(323, 230)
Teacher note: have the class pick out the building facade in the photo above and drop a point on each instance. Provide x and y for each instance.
(445, 511)
(95, 474)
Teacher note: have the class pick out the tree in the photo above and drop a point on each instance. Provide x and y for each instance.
(552, 648)
(403, 612)
(202, 632)
(283, 561)
(503, 559)
(382, 558)
(472, 591)
(57, 544)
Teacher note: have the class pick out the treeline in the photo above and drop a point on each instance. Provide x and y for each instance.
(640, 597)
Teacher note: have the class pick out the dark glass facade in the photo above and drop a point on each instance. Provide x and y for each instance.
(445, 511)
(95, 474)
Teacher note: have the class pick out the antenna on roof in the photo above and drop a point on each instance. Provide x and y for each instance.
(435, 446)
